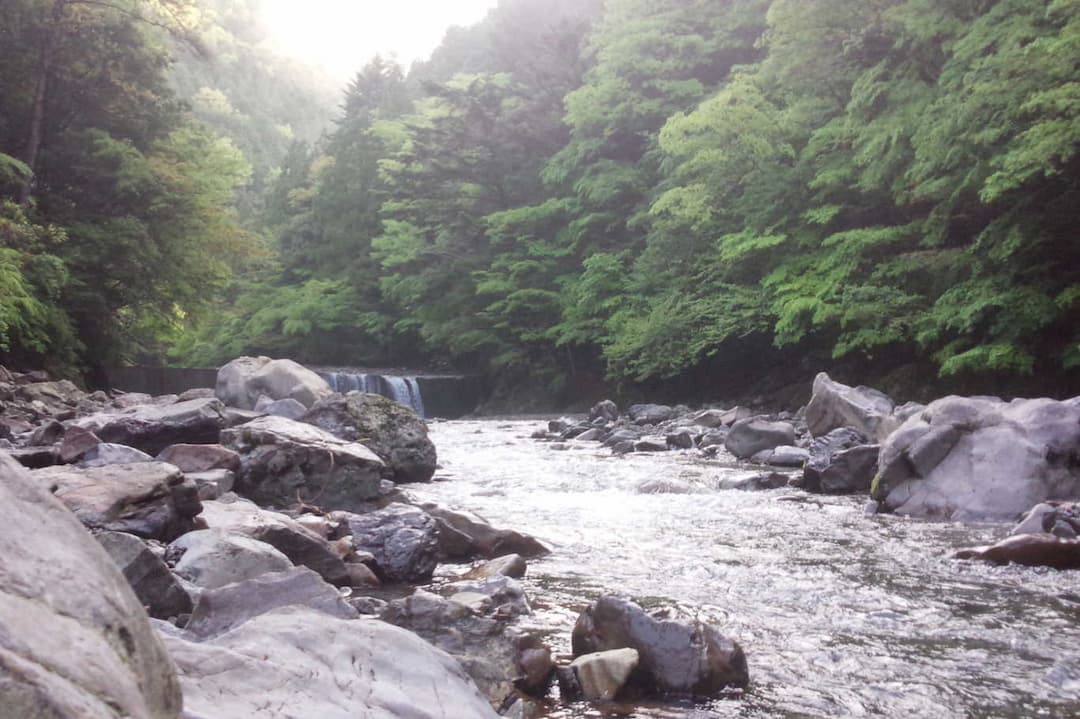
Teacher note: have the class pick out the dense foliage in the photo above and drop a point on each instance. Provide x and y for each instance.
(117, 203)
(629, 188)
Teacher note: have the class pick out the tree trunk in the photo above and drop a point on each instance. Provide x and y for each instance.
(41, 88)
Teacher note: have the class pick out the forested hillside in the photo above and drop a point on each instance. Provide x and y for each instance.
(641, 189)
(634, 190)
(129, 132)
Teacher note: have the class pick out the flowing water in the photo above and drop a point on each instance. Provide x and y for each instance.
(840, 614)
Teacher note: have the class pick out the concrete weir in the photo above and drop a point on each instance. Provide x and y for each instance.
(430, 396)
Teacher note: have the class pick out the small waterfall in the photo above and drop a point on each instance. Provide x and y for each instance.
(403, 390)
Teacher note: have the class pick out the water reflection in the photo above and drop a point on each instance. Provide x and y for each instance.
(840, 614)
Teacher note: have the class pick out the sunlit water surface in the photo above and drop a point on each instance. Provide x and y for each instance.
(840, 614)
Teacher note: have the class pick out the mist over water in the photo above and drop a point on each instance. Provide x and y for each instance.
(840, 614)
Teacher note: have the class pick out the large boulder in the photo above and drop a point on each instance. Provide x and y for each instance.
(284, 462)
(392, 431)
(153, 427)
(403, 539)
(242, 382)
(981, 458)
(834, 405)
(301, 545)
(74, 639)
(750, 436)
(675, 657)
(297, 662)
(152, 500)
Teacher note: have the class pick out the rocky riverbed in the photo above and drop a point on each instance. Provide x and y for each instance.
(662, 562)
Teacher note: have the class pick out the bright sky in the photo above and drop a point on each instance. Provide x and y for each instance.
(342, 35)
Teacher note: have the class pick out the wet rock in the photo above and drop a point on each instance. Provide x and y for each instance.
(223, 608)
(391, 431)
(602, 675)
(756, 482)
(498, 657)
(840, 462)
(681, 439)
(214, 557)
(200, 457)
(624, 447)
(650, 413)
(715, 438)
(243, 381)
(714, 418)
(106, 453)
(155, 586)
(594, 434)
(560, 425)
(622, 435)
(302, 546)
(782, 456)
(510, 565)
(605, 410)
(995, 459)
(834, 405)
(651, 444)
(284, 461)
(675, 657)
(151, 500)
(404, 541)
(74, 639)
(297, 662)
(1035, 550)
(499, 595)
(665, 485)
(480, 538)
(152, 428)
(750, 436)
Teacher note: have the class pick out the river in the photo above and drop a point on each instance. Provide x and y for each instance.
(840, 614)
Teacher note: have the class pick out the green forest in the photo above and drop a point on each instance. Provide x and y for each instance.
(571, 192)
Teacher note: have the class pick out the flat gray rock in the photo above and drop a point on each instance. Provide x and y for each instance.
(296, 662)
